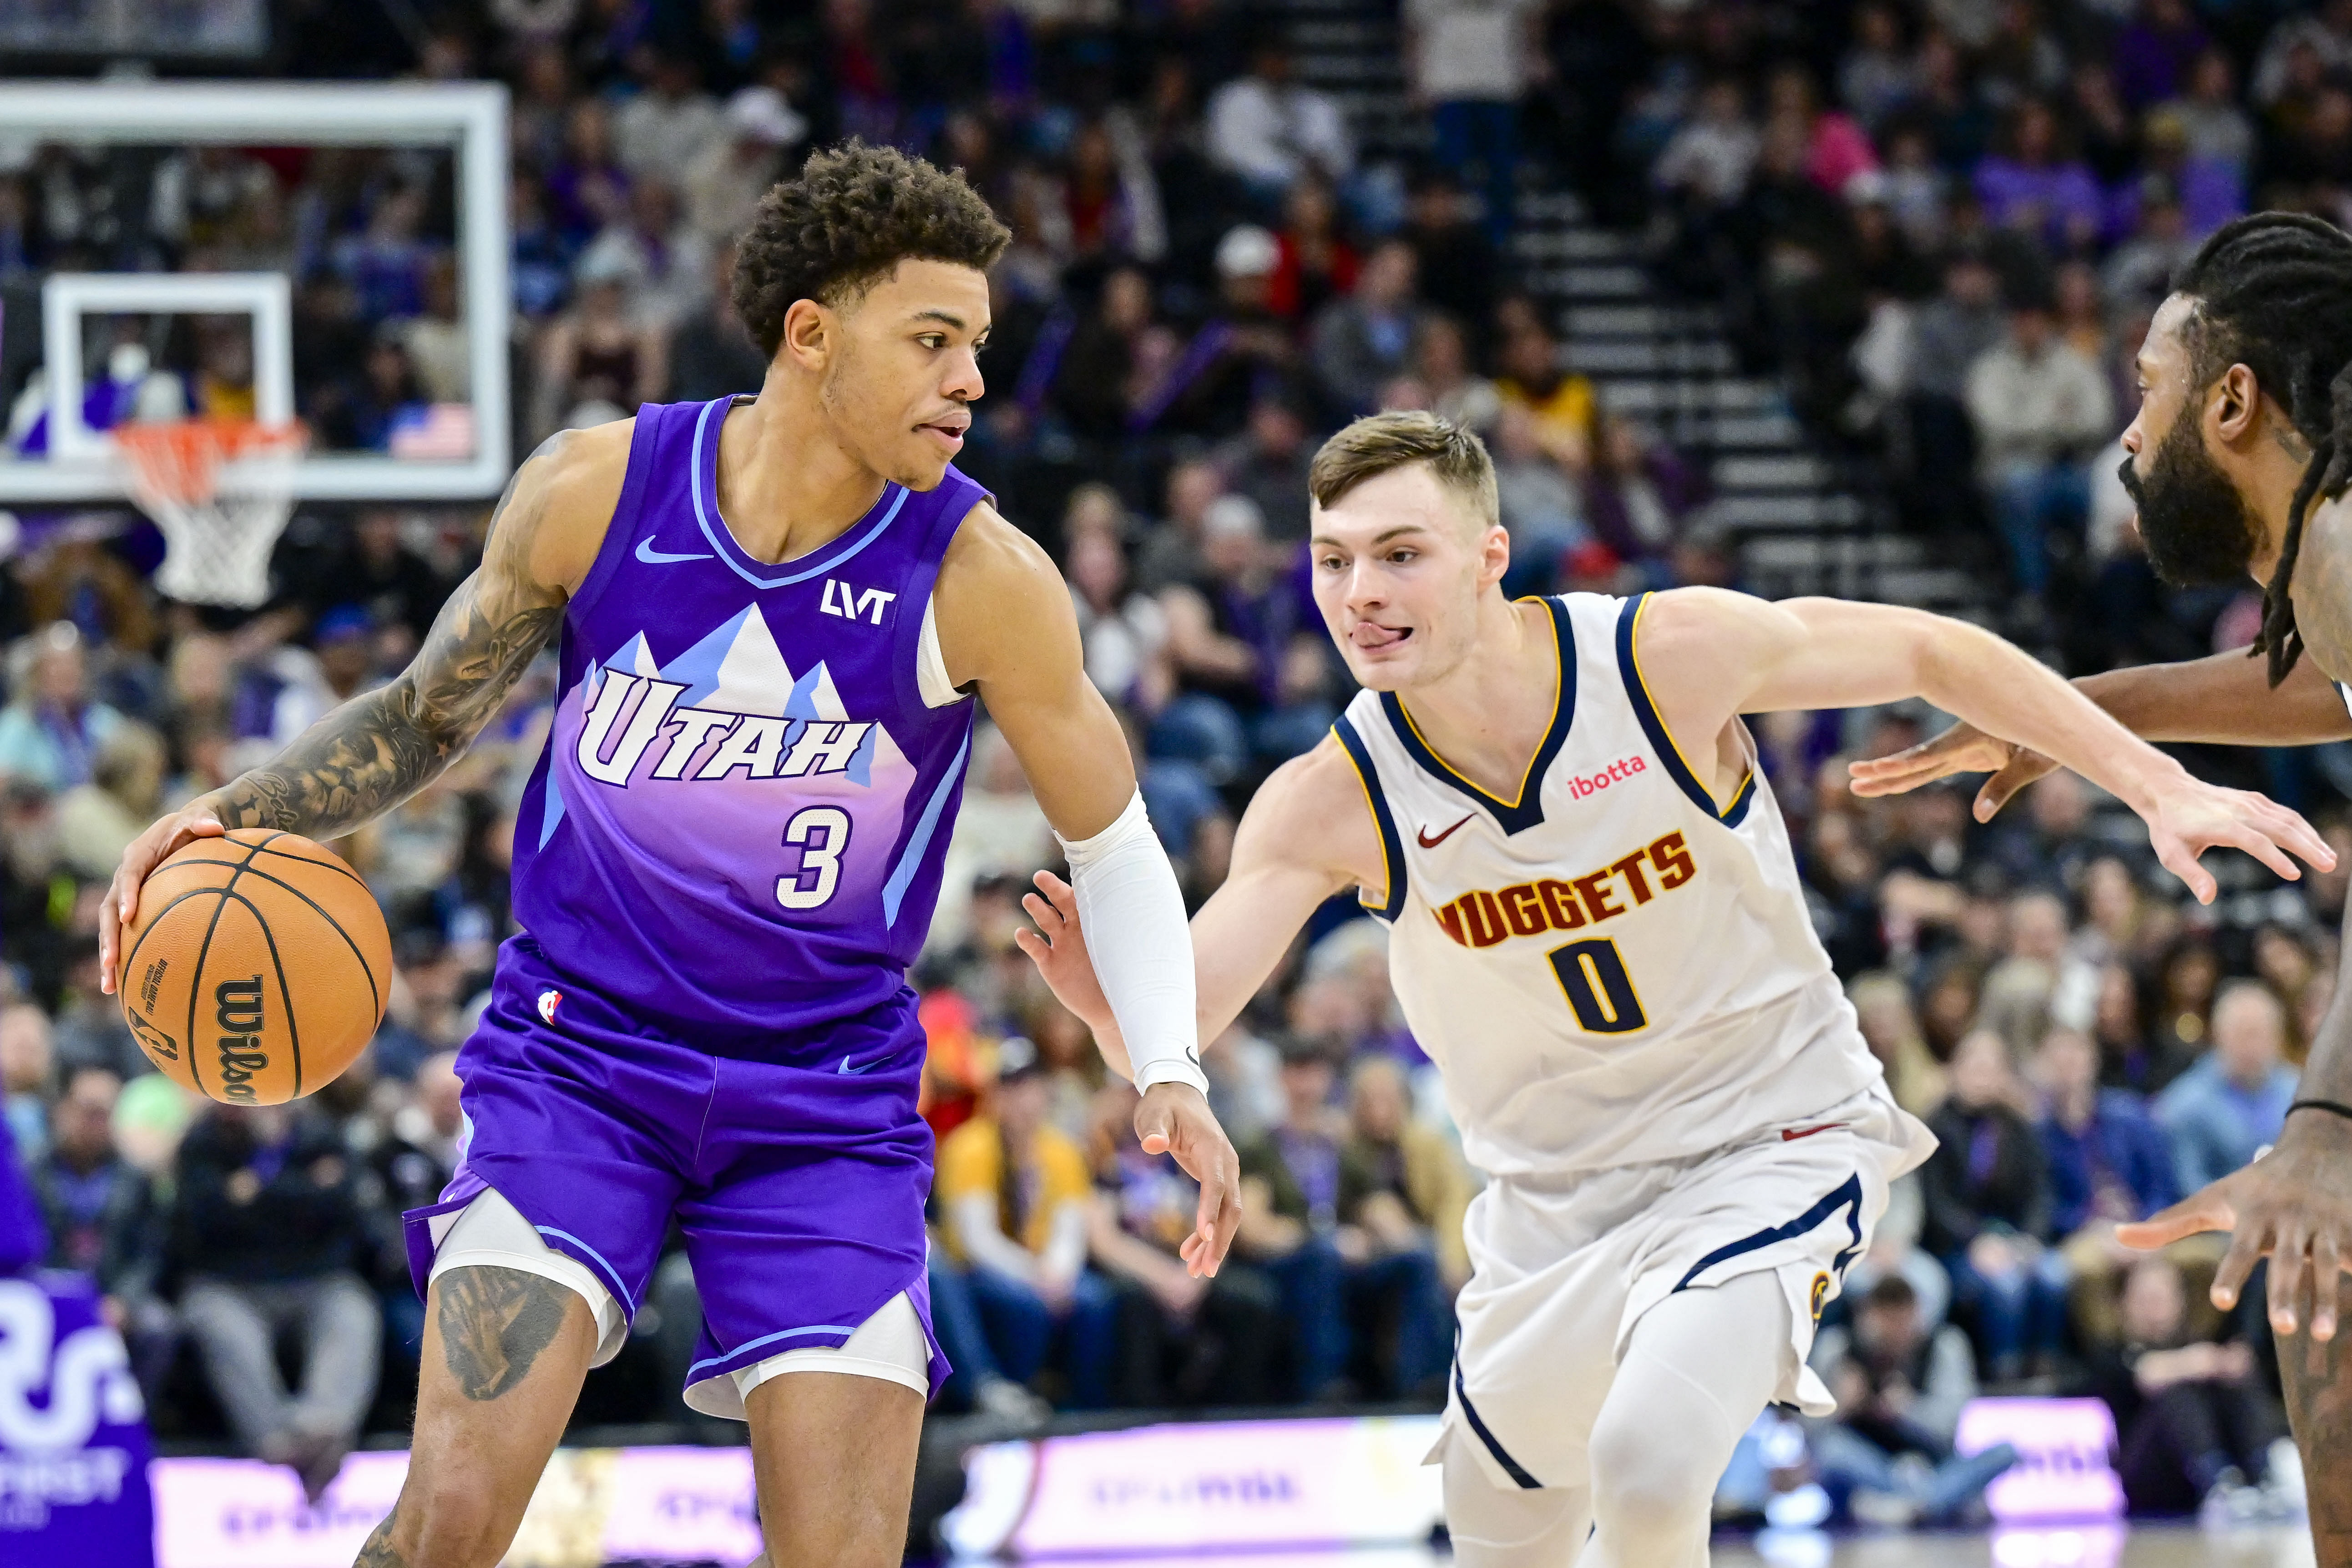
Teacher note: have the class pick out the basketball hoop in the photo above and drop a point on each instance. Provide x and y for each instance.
(221, 490)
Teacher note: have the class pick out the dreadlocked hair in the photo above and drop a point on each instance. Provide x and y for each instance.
(2273, 293)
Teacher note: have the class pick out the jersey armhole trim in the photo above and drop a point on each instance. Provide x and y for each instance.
(1392, 902)
(932, 664)
(1661, 740)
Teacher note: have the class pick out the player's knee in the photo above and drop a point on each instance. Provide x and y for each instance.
(453, 1521)
(1498, 1527)
(1643, 1478)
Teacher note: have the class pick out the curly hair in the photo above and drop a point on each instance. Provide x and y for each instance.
(855, 213)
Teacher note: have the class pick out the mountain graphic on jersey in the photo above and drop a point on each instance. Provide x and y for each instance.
(722, 742)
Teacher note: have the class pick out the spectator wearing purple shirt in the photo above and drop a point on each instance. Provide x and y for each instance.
(2153, 54)
(2032, 184)
(1987, 1193)
(23, 1240)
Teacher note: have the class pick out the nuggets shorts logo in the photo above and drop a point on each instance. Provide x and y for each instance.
(1821, 1293)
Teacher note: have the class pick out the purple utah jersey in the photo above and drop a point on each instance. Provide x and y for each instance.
(739, 822)
(724, 863)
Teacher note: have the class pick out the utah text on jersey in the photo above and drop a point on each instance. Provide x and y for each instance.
(743, 715)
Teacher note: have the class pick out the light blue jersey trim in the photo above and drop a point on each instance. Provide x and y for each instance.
(612, 1275)
(766, 1340)
(893, 891)
(703, 516)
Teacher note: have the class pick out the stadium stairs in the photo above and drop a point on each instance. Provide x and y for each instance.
(1795, 517)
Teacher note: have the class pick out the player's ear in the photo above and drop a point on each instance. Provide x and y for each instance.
(809, 334)
(2236, 402)
(1494, 553)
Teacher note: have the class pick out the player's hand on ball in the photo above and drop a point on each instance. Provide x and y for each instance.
(1962, 748)
(146, 852)
(2294, 1204)
(1058, 948)
(1175, 1118)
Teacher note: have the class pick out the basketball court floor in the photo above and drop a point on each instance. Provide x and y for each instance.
(2090, 1546)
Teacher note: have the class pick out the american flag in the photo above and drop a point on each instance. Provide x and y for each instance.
(434, 431)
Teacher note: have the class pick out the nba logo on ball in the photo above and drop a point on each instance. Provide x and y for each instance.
(546, 1004)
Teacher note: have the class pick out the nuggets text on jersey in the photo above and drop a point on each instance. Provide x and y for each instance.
(1481, 919)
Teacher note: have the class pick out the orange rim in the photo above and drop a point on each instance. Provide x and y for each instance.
(179, 459)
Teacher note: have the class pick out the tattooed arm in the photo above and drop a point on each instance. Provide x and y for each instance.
(380, 748)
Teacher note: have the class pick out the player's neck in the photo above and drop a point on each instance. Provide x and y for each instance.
(2268, 477)
(1487, 715)
(786, 486)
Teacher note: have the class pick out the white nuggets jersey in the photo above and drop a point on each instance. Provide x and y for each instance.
(1611, 968)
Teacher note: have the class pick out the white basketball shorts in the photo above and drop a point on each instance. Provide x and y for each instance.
(1565, 1267)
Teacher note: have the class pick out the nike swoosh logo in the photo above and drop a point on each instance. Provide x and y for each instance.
(1791, 1134)
(1429, 843)
(652, 557)
(853, 1072)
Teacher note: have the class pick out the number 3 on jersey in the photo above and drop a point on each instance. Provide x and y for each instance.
(1593, 976)
(822, 832)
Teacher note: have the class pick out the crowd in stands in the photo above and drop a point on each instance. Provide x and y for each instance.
(1945, 222)
(1950, 222)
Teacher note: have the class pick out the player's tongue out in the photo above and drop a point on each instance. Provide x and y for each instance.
(1369, 636)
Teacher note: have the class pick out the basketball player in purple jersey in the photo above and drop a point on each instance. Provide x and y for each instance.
(774, 612)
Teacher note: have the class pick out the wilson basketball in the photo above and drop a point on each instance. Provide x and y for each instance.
(257, 966)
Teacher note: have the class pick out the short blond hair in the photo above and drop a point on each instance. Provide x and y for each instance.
(1380, 443)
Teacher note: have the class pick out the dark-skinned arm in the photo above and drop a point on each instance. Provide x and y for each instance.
(382, 747)
(2226, 699)
(2294, 1204)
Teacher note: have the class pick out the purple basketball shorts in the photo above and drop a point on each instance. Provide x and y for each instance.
(797, 1175)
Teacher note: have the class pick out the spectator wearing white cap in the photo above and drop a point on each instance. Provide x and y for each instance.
(724, 183)
(1242, 346)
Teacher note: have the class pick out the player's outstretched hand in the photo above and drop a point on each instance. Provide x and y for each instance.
(2190, 816)
(1175, 1118)
(2294, 1204)
(1962, 748)
(1058, 948)
(146, 852)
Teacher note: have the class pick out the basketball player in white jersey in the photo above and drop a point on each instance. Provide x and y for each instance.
(1598, 933)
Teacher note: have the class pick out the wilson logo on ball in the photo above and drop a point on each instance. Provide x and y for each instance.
(240, 1021)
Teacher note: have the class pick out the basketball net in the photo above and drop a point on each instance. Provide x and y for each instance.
(221, 490)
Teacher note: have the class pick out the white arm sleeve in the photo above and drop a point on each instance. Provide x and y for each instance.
(1132, 913)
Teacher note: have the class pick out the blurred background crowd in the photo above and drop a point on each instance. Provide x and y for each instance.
(1942, 224)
